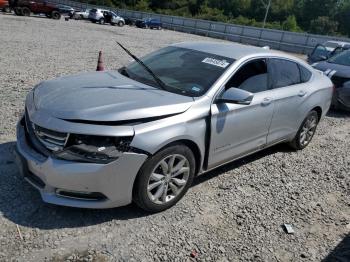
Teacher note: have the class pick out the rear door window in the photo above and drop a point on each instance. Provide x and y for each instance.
(305, 74)
(284, 73)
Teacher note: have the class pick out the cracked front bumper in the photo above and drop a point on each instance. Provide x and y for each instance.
(113, 181)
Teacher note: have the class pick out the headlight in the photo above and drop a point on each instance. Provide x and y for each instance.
(94, 149)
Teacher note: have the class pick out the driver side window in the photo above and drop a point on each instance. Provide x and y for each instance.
(251, 77)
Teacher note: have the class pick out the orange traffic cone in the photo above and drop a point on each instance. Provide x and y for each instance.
(100, 66)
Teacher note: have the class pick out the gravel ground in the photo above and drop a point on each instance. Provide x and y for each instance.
(234, 213)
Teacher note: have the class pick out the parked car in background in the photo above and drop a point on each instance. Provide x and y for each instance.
(326, 50)
(149, 23)
(105, 139)
(82, 14)
(26, 7)
(337, 68)
(66, 10)
(5, 6)
(129, 20)
(105, 16)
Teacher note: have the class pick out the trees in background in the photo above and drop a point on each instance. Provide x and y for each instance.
(314, 16)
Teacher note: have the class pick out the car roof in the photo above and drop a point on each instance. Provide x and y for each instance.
(340, 43)
(231, 50)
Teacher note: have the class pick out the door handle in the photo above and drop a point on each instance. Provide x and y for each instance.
(302, 93)
(266, 101)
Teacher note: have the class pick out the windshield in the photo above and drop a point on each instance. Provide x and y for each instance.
(341, 59)
(183, 71)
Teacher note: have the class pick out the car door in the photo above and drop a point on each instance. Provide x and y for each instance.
(238, 129)
(289, 92)
(319, 53)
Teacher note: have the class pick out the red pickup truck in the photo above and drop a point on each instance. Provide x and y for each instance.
(26, 7)
(4, 6)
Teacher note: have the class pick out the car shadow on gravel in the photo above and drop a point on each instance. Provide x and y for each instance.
(341, 252)
(22, 204)
(335, 113)
(241, 162)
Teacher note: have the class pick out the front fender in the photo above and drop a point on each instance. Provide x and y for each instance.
(151, 137)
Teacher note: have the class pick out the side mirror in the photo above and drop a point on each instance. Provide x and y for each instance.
(235, 96)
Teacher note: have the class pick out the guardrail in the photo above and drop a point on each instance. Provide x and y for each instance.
(302, 43)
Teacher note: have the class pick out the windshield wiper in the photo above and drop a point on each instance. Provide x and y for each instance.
(160, 83)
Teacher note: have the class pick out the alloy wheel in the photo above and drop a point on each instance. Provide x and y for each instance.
(308, 130)
(168, 178)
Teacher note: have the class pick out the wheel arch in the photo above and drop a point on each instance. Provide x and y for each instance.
(318, 109)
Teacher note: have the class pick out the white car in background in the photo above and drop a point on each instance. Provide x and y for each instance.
(83, 14)
(105, 16)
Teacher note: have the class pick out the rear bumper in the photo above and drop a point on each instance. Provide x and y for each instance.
(110, 185)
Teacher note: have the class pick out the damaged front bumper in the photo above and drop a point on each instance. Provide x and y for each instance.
(75, 184)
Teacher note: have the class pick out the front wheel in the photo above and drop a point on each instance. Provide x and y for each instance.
(306, 131)
(120, 23)
(164, 179)
(18, 11)
(55, 15)
(25, 11)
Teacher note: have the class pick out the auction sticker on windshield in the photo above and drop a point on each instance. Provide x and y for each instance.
(216, 62)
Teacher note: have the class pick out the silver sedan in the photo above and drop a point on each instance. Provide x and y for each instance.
(142, 133)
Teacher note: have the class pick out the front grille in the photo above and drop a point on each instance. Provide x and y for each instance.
(52, 140)
(339, 81)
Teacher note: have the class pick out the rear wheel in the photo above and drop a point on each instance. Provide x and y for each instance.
(102, 21)
(55, 15)
(164, 179)
(306, 132)
(120, 23)
(25, 11)
(7, 9)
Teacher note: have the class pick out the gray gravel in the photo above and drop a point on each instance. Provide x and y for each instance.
(234, 213)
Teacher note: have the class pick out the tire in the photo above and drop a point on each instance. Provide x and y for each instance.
(102, 21)
(25, 11)
(81, 17)
(18, 11)
(7, 9)
(306, 131)
(176, 186)
(120, 23)
(56, 15)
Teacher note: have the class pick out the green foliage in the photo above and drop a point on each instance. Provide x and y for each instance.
(142, 5)
(290, 24)
(317, 16)
(212, 14)
(323, 25)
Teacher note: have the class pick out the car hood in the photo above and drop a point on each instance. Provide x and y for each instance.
(339, 70)
(105, 96)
